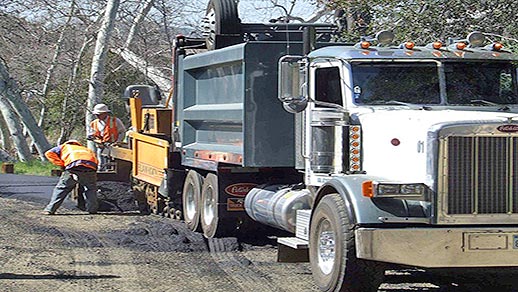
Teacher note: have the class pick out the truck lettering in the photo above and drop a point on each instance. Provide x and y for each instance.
(149, 170)
(239, 189)
(235, 204)
(508, 128)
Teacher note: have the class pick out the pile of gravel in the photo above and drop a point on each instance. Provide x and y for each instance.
(151, 230)
(116, 196)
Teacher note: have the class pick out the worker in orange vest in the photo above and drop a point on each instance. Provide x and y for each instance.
(80, 166)
(105, 129)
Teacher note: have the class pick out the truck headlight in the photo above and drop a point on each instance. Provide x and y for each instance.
(403, 191)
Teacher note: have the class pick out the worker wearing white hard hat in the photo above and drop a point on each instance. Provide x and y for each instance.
(100, 108)
(105, 129)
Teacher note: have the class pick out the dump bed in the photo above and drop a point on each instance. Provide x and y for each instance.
(228, 109)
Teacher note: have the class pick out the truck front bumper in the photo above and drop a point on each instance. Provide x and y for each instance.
(440, 247)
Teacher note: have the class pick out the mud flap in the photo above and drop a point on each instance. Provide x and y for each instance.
(171, 187)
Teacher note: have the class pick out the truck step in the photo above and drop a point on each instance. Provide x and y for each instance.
(293, 242)
(292, 250)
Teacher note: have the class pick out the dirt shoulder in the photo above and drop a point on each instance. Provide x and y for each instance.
(120, 250)
(123, 251)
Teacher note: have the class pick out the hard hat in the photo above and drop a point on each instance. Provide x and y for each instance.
(100, 108)
(73, 142)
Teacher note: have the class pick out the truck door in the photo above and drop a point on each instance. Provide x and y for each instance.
(324, 120)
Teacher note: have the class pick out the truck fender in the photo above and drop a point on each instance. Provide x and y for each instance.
(360, 209)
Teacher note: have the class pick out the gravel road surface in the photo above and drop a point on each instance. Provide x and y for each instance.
(119, 250)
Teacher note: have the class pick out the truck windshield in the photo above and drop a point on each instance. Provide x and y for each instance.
(377, 83)
(483, 83)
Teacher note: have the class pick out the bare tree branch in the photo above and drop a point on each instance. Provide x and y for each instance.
(9, 90)
(95, 89)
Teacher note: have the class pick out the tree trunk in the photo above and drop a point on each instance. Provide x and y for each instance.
(10, 91)
(5, 143)
(69, 101)
(134, 27)
(156, 75)
(4, 156)
(66, 117)
(52, 66)
(15, 129)
(95, 89)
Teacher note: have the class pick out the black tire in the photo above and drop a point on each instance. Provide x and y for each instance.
(221, 19)
(191, 198)
(211, 222)
(332, 251)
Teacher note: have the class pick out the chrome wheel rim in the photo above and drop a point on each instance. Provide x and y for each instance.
(209, 206)
(190, 203)
(326, 248)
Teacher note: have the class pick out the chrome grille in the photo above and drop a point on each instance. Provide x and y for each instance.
(480, 175)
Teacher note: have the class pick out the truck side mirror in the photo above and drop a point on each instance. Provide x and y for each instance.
(293, 83)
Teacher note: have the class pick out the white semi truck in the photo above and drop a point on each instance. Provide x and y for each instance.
(371, 154)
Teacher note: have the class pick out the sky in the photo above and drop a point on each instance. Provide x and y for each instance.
(249, 11)
(263, 10)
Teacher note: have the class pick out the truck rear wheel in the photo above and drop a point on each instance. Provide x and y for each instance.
(210, 221)
(222, 24)
(191, 198)
(332, 251)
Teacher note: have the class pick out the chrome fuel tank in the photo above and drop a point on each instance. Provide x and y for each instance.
(277, 205)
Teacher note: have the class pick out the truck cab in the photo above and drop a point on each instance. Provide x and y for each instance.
(411, 153)
(369, 154)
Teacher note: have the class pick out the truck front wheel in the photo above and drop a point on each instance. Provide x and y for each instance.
(332, 251)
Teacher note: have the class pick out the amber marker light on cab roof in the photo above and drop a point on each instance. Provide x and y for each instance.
(409, 45)
(498, 46)
(437, 45)
(365, 45)
(461, 46)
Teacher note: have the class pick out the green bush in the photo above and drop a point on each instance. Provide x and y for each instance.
(34, 167)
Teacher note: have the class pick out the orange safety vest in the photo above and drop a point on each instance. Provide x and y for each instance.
(72, 153)
(110, 132)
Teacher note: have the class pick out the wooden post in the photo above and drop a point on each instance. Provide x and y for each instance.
(7, 167)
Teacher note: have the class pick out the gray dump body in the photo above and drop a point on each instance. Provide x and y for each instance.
(228, 107)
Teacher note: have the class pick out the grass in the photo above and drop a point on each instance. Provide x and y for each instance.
(34, 167)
